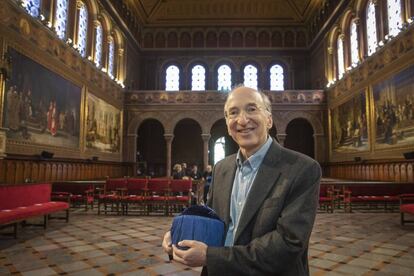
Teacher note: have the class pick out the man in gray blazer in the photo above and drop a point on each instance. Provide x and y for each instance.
(267, 196)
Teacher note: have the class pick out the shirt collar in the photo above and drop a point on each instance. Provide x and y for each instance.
(256, 159)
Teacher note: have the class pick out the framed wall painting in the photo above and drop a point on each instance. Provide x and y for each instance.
(40, 107)
(394, 111)
(349, 125)
(103, 126)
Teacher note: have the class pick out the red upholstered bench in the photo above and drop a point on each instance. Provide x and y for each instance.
(406, 206)
(21, 202)
(386, 194)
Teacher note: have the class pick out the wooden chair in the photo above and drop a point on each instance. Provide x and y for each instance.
(158, 193)
(113, 192)
(406, 207)
(136, 195)
(180, 195)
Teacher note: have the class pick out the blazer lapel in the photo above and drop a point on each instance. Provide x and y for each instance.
(224, 194)
(266, 177)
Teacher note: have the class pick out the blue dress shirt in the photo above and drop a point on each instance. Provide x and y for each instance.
(245, 174)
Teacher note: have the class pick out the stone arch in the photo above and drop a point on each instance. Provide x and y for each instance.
(290, 116)
(138, 119)
(178, 116)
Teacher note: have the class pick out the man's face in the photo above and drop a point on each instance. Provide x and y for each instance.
(247, 120)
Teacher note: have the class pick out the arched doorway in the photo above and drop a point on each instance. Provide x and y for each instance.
(300, 137)
(151, 148)
(218, 131)
(187, 145)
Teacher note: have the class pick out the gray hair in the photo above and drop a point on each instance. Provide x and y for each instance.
(265, 99)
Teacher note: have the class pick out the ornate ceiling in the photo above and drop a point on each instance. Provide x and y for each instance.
(157, 13)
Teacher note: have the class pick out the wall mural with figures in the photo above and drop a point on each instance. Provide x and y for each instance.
(349, 125)
(103, 126)
(41, 107)
(394, 111)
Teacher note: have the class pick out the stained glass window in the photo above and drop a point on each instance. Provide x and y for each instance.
(32, 7)
(394, 17)
(224, 78)
(340, 57)
(354, 44)
(219, 149)
(371, 29)
(277, 78)
(198, 78)
(111, 57)
(98, 45)
(250, 76)
(172, 79)
(82, 29)
(61, 18)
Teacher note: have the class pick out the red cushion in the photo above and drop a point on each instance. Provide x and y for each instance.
(13, 196)
(10, 215)
(407, 208)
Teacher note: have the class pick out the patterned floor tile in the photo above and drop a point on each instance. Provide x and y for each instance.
(341, 244)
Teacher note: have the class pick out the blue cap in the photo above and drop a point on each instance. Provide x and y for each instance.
(198, 223)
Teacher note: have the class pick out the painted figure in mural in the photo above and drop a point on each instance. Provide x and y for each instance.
(70, 122)
(13, 104)
(49, 116)
(54, 122)
(61, 120)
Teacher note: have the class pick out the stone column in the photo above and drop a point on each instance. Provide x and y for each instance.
(281, 137)
(168, 139)
(3, 139)
(130, 148)
(319, 147)
(206, 139)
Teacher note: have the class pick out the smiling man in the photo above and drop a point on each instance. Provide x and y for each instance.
(266, 195)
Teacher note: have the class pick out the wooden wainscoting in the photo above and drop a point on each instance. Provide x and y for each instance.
(19, 170)
(378, 170)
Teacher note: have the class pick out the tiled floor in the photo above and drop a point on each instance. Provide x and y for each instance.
(341, 244)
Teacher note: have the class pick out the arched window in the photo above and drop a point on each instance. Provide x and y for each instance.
(371, 29)
(111, 57)
(82, 29)
(98, 44)
(250, 76)
(340, 56)
(354, 44)
(394, 17)
(219, 149)
(61, 18)
(224, 78)
(172, 78)
(32, 7)
(198, 78)
(277, 79)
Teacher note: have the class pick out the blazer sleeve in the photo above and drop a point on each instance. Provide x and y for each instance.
(283, 247)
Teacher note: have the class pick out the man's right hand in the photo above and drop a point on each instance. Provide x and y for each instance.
(167, 244)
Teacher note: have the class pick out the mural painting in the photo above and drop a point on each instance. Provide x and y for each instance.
(394, 111)
(349, 125)
(103, 126)
(41, 107)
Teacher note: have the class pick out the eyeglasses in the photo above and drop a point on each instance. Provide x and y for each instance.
(249, 111)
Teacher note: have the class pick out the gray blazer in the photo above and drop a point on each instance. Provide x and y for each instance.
(276, 222)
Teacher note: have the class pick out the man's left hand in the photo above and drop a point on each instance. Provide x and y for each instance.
(195, 255)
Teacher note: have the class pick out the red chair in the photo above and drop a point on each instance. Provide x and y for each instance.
(158, 193)
(180, 194)
(406, 206)
(79, 194)
(136, 195)
(112, 195)
(326, 198)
